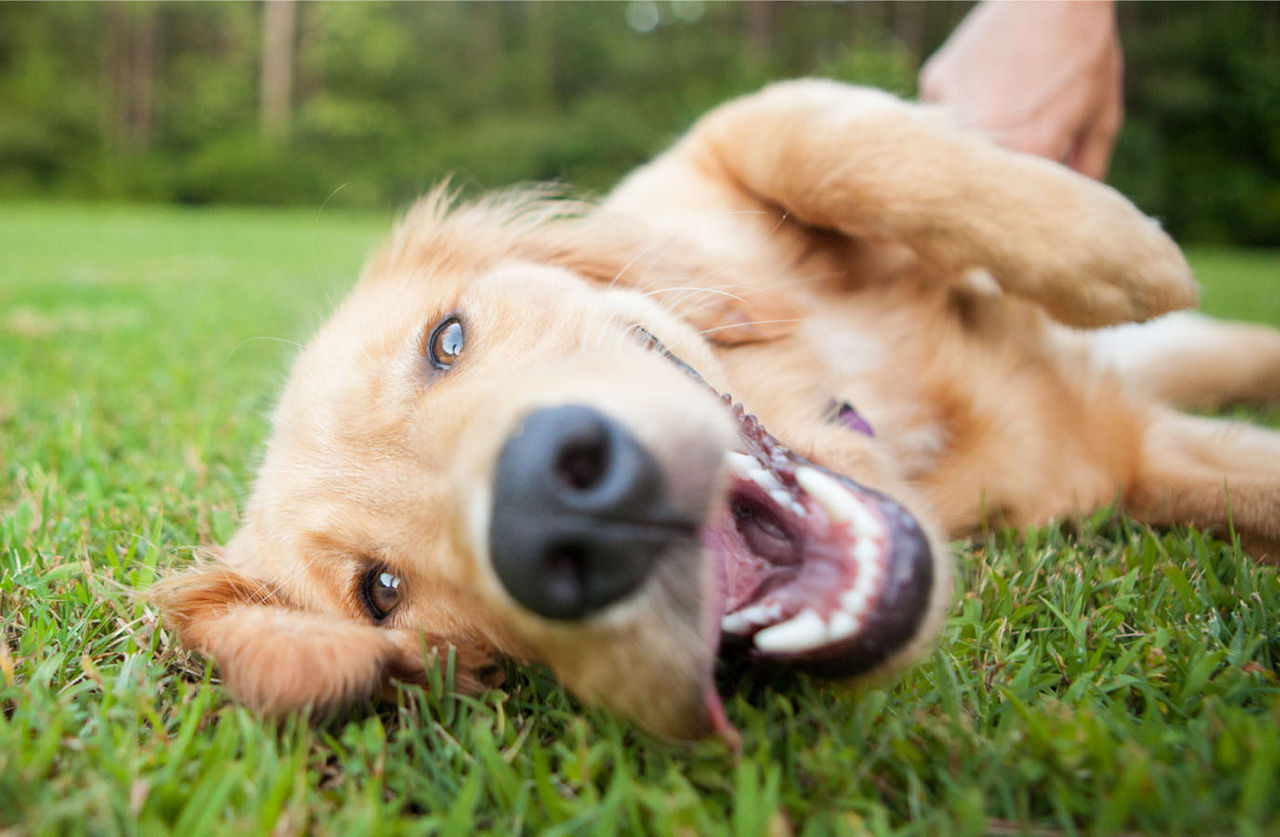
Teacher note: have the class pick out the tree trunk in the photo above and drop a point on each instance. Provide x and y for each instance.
(128, 64)
(279, 18)
(142, 68)
(760, 29)
(909, 25)
(541, 39)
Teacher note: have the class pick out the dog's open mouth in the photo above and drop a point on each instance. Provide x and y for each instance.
(816, 571)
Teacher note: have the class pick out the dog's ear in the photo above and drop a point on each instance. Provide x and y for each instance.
(275, 657)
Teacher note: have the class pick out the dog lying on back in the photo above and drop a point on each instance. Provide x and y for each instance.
(734, 410)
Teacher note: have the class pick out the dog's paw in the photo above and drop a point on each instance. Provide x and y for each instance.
(1107, 263)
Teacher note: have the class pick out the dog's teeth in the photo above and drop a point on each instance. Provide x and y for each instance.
(766, 480)
(854, 601)
(802, 632)
(741, 465)
(742, 621)
(867, 552)
(746, 467)
(735, 623)
(843, 625)
(782, 498)
(840, 504)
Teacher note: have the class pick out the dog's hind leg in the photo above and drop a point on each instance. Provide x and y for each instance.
(875, 168)
(1190, 360)
(1211, 473)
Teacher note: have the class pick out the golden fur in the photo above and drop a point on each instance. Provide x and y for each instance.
(810, 242)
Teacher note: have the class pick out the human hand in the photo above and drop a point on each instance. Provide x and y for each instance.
(1043, 78)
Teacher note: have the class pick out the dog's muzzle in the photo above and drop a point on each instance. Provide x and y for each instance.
(580, 514)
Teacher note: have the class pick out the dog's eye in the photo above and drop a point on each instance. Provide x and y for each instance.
(380, 591)
(445, 342)
(649, 341)
(646, 338)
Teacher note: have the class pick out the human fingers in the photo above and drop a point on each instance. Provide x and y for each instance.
(1091, 152)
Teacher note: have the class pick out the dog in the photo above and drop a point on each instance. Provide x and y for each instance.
(732, 411)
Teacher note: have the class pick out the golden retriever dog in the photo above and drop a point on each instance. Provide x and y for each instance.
(734, 410)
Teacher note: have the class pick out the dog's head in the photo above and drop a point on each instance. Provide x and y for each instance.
(491, 450)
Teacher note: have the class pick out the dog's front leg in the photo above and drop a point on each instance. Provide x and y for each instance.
(871, 166)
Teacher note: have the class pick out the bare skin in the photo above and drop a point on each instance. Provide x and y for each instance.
(1042, 78)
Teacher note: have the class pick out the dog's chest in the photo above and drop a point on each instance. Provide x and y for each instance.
(875, 379)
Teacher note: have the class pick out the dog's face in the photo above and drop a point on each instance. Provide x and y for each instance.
(507, 458)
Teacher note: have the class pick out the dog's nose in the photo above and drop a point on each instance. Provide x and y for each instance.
(580, 517)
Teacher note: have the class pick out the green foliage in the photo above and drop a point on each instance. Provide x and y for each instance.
(1201, 144)
(161, 102)
(1096, 678)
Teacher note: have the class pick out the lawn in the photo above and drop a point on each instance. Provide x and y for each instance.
(1095, 677)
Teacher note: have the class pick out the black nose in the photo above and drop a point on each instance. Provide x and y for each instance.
(580, 516)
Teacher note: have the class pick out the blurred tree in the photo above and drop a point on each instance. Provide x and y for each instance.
(365, 104)
(129, 67)
(277, 66)
(1201, 144)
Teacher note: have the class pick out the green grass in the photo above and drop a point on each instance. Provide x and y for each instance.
(1094, 678)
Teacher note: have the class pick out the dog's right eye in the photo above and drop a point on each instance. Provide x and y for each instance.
(445, 342)
(379, 591)
(649, 341)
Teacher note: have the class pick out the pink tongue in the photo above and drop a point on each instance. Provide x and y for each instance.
(719, 721)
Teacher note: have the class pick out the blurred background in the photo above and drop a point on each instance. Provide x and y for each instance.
(364, 105)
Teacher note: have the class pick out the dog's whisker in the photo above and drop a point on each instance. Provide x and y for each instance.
(714, 329)
(639, 255)
(692, 289)
(605, 329)
(266, 337)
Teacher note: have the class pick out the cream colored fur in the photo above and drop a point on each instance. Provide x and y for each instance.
(810, 242)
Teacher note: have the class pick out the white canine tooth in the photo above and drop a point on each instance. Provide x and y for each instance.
(735, 623)
(765, 480)
(764, 614)
(867, 552)
(843, 625)
(840, 504)
(781, 497)
(854, 601)
(742, 621)
(802, 632)
(741, 464)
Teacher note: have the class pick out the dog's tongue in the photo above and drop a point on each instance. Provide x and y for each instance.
(719, 721)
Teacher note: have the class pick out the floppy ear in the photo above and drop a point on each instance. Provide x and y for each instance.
(276, 658)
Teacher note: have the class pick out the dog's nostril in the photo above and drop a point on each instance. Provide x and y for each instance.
(582, 463)
(565, 565)
(580, 516)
